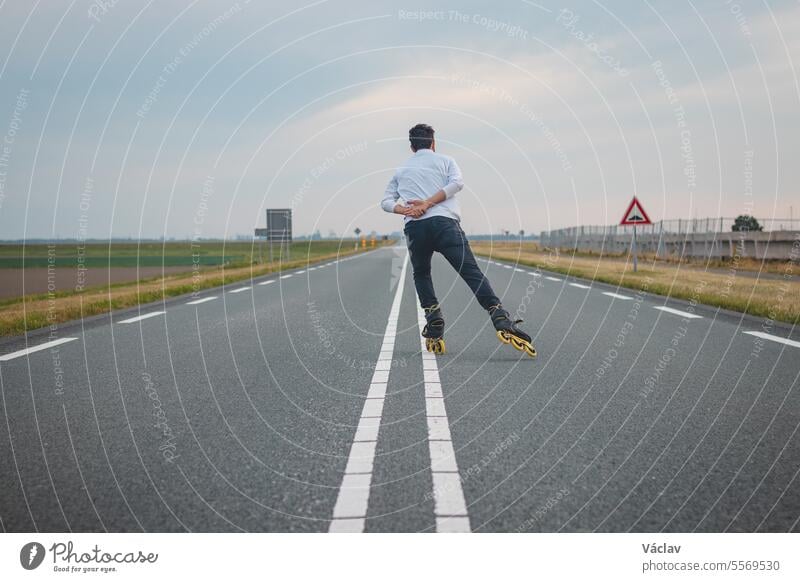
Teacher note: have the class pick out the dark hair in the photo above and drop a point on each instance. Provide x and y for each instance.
(420, 136)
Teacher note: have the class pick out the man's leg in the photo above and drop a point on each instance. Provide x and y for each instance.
(421, 250)
(452, 244)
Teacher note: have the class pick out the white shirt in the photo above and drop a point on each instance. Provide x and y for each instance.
(422, 176)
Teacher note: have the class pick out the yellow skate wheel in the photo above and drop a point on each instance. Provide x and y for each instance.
(504, 337)
(523, 346)
(434, 345)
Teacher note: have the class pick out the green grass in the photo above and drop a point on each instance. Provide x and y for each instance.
(22, 314)
(151, 254)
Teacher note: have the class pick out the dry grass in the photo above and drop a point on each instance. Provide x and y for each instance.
(772, 298)
(36, 311)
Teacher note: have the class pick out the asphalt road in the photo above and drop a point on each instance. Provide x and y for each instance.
(240, 413)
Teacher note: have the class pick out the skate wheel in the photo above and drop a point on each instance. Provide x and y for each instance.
(435, 346)
(504, 337)
(523, 346)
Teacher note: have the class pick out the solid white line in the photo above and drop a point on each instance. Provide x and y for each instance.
(141, 317)
(39, 348)
(617, 296)
(240, 289)
(774, 338)
(685, 314)
(350, 511)
(553, 279)
(449, 504)
(199, 301)
(267, 282)
(579, 286)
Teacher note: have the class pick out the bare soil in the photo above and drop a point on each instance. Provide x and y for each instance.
(64, 279)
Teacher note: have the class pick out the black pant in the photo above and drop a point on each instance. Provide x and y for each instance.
(445, 236)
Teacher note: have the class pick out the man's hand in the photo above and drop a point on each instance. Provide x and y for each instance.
(419, 207)
(403, 209)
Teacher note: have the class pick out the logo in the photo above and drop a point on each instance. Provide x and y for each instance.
(31, 555)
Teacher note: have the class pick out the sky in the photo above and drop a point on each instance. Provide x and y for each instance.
(122, 118)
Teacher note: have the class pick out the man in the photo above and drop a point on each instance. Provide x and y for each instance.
(423, 190)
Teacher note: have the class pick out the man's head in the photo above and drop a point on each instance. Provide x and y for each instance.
(421, 137)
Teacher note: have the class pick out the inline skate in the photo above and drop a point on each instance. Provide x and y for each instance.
(509, 333)
(434, 329)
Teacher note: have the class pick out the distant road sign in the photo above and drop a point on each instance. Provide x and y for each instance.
(635, 214)
(279, 224)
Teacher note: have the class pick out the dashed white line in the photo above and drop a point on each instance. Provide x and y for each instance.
(685, 314)
(519, 270)
(579, 286)
(556, 279)
(141, 317)
(199, 301)
(773, 338)
(240, 289)
(450, 508)
(617, 296)
(350, 511)
(39, 348)
(300, 272)
(267, 282)
(285, 276)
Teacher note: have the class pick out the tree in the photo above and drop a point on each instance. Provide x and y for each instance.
(521, 234)
(746, 223)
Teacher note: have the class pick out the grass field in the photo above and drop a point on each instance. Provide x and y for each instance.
(148, 254)
(23, 314)
(775, 297)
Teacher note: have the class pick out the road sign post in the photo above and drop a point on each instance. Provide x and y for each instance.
(279, 229)
(634, 215)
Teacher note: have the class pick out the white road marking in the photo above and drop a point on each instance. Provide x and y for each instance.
(770, 337)
(141, 317)
(39, 348)
(617, 296)
(553, 279)
(199, 301)
(519, 270)
(240, 289)
(285, 276)
(534, 273)
(267, 282)
(579, 286)
(350, 511)
(508, 266)
(449, 505)
(685, 314)
(300, 272)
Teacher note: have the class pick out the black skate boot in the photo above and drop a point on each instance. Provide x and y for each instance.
(509, 333)
(434, 329)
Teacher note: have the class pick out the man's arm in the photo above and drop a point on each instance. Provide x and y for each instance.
(390, 198)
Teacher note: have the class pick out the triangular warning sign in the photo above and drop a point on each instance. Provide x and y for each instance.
(635, 214)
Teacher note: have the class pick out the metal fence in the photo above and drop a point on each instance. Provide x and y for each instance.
(698, 237)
